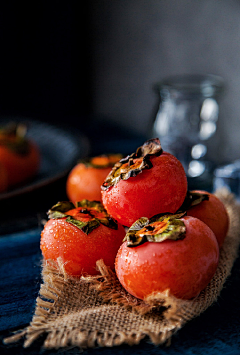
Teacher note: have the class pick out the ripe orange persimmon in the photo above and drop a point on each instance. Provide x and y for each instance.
(19, 156)
(209, 208)
(81, 234)
(144, 183)
(167, 253)
(86, 178)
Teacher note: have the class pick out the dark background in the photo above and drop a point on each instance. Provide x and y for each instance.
(77, 62)
(45, 60)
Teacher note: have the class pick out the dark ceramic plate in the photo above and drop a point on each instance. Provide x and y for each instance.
(60, 149)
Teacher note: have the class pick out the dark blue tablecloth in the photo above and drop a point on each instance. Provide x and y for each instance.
(217, 331)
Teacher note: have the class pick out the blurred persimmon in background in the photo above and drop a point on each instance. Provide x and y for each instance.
(19, 156)
(3, 179)
(86, 178)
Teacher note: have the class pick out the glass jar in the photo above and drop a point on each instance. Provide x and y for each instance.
(228, 176)
(187, 119)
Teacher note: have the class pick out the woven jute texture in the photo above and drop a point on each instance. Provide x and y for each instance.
(97, 311)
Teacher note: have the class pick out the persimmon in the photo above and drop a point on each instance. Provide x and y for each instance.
(175, 253)
(86, 178)
(208, 208)
(145, 183)
(19, 155)
(80, 234)
(3, 179)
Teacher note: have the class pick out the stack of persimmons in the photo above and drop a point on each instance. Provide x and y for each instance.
(137, 214)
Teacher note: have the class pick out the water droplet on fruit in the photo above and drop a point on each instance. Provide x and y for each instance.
(56, 235)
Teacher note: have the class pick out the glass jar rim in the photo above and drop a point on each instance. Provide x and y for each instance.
(206, 84)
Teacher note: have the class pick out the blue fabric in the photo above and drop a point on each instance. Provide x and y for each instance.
(20, 277)
(216, 331)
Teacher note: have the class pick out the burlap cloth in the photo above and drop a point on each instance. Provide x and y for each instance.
(98, 312)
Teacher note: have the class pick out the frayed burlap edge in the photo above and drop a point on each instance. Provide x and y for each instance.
(168, 312)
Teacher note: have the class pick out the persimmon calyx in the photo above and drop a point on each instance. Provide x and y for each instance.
(133, 164)
(13, 137)
(193, 199)
(85, 215)
(156, 229)
(102, 161)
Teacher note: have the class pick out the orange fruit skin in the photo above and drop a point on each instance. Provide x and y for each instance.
(78, 251)
(214, 214)
(19, 167)
(85, 182)
(184, 267)
(157, 190)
